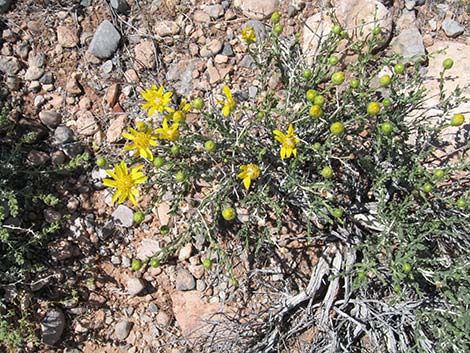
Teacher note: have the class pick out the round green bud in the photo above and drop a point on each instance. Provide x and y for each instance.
(338, 78)
(337, 128)
(448, 63)
(333, 60)
(336, 29)
(315, 111)
(310, 95)
(399, 68)
(354, 83)
(319, 100)
(198, 103)
(427, 187)
(180, 176)
(327, 172)
(175, 150)
(461, 203)
(101, 162)
(158, 162)
(138, 217)
(164, 230)
(307, 74)
(229, 213)
(337, 212)
(386, 128)
(136, 265)
(209, 146)
(316, 146)
(275, 17)
(155, 263)
(386, 102)
(406, 268)
(373, 108)
(385, 80)
(439, 173)
(207, 263)
(278, 29)
(457, 120)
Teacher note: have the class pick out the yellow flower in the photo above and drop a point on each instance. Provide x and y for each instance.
(229, 104)
(180, 114)
(125, 182)
(142, 139)
(248, 173)
(248, 34)
(288, 142)
(166, 132)
(157, 99)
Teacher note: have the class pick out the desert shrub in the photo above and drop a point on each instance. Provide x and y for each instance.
(344, 149)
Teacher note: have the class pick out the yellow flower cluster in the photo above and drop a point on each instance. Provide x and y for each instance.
(143, 137)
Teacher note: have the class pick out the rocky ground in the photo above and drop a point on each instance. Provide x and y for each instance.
(75, 68)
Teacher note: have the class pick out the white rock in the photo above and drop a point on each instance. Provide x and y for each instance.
(257, 9)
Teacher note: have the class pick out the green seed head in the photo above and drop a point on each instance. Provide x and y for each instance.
(229, 214)
(448, 63)
(138, 217)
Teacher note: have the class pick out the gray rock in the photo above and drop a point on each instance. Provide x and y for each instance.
(47, 78)
(37, 60)
(409, 44)
(105, 40)
(182, 73)
(247, 62)
(63, 134)
(452, 28)
(122, 329)
(120, 6)
(123, 215)
(9, 65)
(106, 231)
(259, 28)
(214, 11)
(126, 262)
(38, 100)
(153, 308)
(166, 28)
(51, 119)
(115, 260)
(52, 326)
(135, 286)
(227, 49)
(72, 149)
(185, 280)
(107, 67)
(22, 50)
(5, 5)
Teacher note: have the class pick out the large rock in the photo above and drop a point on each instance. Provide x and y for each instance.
(409, 44)
(355, 15)
(316, 30)
(105, 40)
(257, 9)
(455, 77)
(192, 313)
(52, 326)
